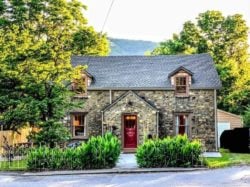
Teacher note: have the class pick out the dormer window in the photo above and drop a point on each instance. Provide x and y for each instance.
(181, 80)
(181, 85)
(80, 86)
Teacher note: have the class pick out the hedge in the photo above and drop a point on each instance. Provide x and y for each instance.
(169, 152)
(99, 152)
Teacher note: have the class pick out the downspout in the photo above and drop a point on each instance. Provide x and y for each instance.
(157, 124)
(102, 123)
(110, 96)
(110, 102)
(215, 120)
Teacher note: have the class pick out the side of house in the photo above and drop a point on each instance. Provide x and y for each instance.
(227, 121)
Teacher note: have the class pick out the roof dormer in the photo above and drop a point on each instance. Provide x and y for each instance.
(88, 76)
(181, 79)
(80, 85)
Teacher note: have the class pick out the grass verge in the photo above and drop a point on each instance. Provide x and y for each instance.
(16, 165)
(228, 159)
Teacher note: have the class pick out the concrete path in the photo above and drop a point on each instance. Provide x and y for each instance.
(211, 154)
(127, 161)
(226, 177)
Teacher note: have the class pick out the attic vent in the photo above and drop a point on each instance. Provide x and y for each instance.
(130, 103)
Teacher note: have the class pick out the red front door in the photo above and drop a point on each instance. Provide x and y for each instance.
(130, 131)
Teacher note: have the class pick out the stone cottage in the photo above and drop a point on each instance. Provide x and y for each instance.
(140, 97)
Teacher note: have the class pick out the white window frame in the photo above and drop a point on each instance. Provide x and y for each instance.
(187, 123)
(73, 115)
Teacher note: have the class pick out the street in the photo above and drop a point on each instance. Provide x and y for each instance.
(234, 176)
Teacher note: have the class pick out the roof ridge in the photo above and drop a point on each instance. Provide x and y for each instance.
(146, 56)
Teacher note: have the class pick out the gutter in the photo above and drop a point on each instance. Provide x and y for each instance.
(110, 96)
(148, 88)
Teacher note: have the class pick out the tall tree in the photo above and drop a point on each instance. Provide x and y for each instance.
(37, 39)
(226, 39)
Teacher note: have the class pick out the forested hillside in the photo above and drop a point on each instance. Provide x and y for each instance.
(130, 47)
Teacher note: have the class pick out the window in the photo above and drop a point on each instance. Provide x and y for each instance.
(181, 124)
(181, 85)
(79, 86)
(78, 124)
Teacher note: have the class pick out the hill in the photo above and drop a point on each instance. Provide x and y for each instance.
(130, 47)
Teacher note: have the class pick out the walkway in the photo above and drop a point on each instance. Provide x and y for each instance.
(127, 161)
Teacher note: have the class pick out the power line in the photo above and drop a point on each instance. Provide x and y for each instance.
(106, 18)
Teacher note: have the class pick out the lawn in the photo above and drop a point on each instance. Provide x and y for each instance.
(16, 165)
(228, 159)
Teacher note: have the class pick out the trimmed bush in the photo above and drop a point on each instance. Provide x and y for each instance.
(169, 152)
(99, 152)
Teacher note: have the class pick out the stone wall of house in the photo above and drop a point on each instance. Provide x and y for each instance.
(93, 105)
(200, 105)
(131, 104)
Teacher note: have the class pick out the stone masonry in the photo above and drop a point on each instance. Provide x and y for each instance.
(199, 105)
(132, 104)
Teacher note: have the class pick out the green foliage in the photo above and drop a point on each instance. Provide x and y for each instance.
(87, 41)
(99, 152)
(15, 165)
(39, 158)
(228, 159)
(246, 117)
(102, 152)
(37, 40)
(52, 132)
(169, 152)
(226, 39)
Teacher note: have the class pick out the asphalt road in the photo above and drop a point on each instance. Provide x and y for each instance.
(234, 176)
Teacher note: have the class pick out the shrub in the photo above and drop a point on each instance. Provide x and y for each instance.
(99, 152)
(38, 158)
(169, 152)
(51, 133)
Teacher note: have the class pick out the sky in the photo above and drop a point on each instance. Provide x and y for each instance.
(155, 20)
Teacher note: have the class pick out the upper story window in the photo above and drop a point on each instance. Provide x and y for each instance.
(181, 79)
(80, 85)
(181, 85)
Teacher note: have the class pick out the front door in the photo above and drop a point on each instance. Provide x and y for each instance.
(130, 131)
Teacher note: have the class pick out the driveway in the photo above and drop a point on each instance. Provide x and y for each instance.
(234, 176)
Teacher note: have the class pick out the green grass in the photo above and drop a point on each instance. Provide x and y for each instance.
(228, 159)
(16, 165)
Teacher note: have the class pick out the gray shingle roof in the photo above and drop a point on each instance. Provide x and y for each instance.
(148, 72)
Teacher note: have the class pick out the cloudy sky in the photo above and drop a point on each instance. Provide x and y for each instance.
(155, 20)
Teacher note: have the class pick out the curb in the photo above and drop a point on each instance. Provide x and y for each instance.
(112, 171)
